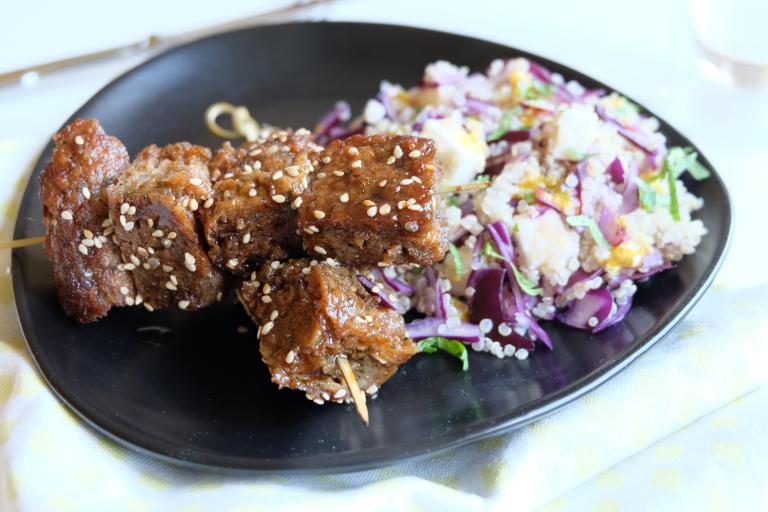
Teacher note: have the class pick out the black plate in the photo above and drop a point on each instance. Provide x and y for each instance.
(200, 394)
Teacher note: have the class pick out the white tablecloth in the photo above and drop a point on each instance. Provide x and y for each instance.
(683, 428)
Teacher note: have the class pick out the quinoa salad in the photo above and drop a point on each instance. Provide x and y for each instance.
(584, 200)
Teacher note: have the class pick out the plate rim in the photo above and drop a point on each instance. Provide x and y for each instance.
(377, 457)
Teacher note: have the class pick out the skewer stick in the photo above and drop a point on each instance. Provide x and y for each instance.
(22, 242)
(475, 185)
(354, 389)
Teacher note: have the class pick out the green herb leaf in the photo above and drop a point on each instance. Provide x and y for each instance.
(647, 195)
(482, 178)
(679, 160)
(674, 207)
(499, 132)
(458, 262)
(589, 223)
(453, 347)
(516, 228)
(698, 171)
(526, 284)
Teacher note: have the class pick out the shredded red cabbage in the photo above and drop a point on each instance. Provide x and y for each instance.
(428, 327)
(376, 291)
(595, 304)
(617, 316)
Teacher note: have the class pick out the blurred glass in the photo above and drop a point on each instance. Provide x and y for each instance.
(732, 37)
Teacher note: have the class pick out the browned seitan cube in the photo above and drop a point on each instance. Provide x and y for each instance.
(311, 313)
(373, 201)
(78, 241)
(154, 208)
(257, 189)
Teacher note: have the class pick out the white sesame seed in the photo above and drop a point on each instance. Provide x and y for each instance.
(86, 192)
(79, 140)
(247, 169)
(135, 260)
(88, 233)
(321, 175)
(232, 263)
(371, 212)
(338, 173)
(174, 280)
(88, 242)
(106, 222)
(344, 197)
(127, 266)
(148, 307)
(122, 220)
(267, 327)
(406, 181)
(368, 202)
(277, 175)
(128, 226)
(320, 250)
(82, 248)
(158, 233)
(289, 357)
(139, 299)
(124, 290)
(415, 153)
(246, 238)
(411, 226)
(372, 389)
(183, 304)
(318, 401)
(195, 181)
(352, 150)
(357, 164)
(167, 268)
(193, 204)
(340, 393)
(319, 214)
(326, 159)
(391, 160)
(292, 170)
(266, 289)
(130, 301)
(411, 201)
(278, 198)
(401, 205)
(297, 202)
(369, 319)
(383, 183)
(398, 151)
(208, 203)
(66, 215)
(170, 286)
(415, 207)
(97, 242)
(132, 210)
(273, 314)
(257, 164)
(266, 299)
(185, 202)
(255, 152)
(416, 179)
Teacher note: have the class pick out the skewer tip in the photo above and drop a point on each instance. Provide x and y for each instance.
(354, 388)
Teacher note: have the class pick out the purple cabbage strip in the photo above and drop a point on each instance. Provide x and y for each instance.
(616, 317)
(339, 114)
(611, 227)
(398, 285)
(428, 327)
(595, 304)
(630, 196)
(376, 291)
(616, 171)
(514, 136)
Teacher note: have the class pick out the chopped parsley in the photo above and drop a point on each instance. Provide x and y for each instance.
(453, 347)
(647, 195)
(528, 286)
(674, 207)
(499, 132)
(594, 230)
(458, 262)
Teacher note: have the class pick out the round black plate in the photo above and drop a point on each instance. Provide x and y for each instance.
(199, 394)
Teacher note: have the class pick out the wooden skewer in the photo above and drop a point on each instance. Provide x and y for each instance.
(475, 185)
(22, 242)
(354, 388)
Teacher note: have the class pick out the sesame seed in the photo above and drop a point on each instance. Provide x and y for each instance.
(124, 290)
(247, 169)
(193, 204)
(401, 204)
(369, 319)
(195, 181)
(391, 160)
(170, 286)
(252, 192)
(308, 231)
(139, 299)
(135, 260)
(246, 238)
(127, 266)
(86, 192)
(320, 250)
(371, 212)
(148, 307)
(273, 314)
(278, 198)
(257, 165)
(289, 357)
(88, 242)
(340, 393)
(411, 201)
(266, 299)
(416, 179)
(189, 258)
(174, 280)
(372, 389)
(88, 233)
(185, 202)
(79, 140)
(183, 304)
(277, 175)
(232, 263)
(150, 223)
(326, 159)
(171, 235)
(130, 301)
(321, 175)
(83, 249)
(208, 203)
(357, 164)
(128, 226)
(411, 226)
(167, 268)
(368, 202)
(97, 242)
(255, 152)
(297, 202)
(318, 401)
(383, 183)
(108, 232)
(319, 214)
(106, 222)
(66, 215)
(416, 207)
(267, 289)
(415, 153)
(338, 173)
(305, 271)
(158, 233)
(344, 197)
(132, 210)
(353, 151)
(292, 170)
(406, 181)
(398, 151)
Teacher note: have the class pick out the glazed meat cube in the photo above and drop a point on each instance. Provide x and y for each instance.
(78, 241)
(257, 189)
(309, 314)
(373, 201)
(153, 208)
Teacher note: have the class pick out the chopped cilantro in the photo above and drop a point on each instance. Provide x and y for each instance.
(679, 160)
(674, 207)
(499, 132)
(589, 223)
(458, 262)
(453, 347)
(526, 284)
(647, 195)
